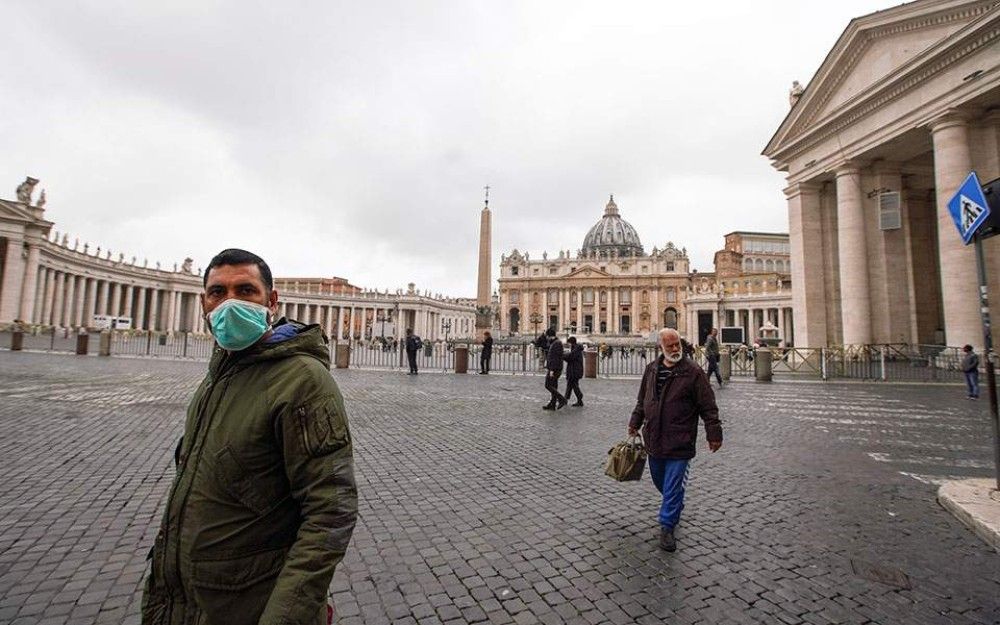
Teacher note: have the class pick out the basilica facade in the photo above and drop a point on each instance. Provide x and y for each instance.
(611, 286)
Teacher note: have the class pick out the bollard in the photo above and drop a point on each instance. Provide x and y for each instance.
(726, 365)
(590, 363)
(762, 365)
(16, 341)
(82, 342)
(104, 348)
(343, 359)
(462, 359)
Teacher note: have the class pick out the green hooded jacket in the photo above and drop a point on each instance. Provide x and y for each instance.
(263, 502)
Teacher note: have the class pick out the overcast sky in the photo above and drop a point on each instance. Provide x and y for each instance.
(355, 138)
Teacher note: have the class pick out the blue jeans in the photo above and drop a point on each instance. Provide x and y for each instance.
(972, 381)
(669, 477)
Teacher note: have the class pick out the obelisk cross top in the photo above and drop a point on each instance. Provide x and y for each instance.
(487, 187)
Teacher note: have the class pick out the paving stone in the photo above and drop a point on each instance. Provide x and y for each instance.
(476, 506)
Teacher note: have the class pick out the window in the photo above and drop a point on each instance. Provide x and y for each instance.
(572, 297)
(515, 297)
(534, 271)
(553, 269)
(670, 318)
(645, 269)
(671, 295)
(670, 266)
(553, 296)
(624, 296)
(514, 270)
(604, 297)
(588, 296)
(747, 264)
(645, 297)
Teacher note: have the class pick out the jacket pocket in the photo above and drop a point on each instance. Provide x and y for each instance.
(240, 484)
(323, 426)
(235, 591)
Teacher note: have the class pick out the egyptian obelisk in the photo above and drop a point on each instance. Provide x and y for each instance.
(484, 304)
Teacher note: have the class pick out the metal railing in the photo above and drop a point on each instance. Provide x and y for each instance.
(887, 362)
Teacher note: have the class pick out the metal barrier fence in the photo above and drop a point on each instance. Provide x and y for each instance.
(889, 362)
(161, 344)
(51, 340)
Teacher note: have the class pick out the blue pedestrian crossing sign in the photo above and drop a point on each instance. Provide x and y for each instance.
(969, 208)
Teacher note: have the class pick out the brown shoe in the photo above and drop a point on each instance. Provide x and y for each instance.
(667, 541)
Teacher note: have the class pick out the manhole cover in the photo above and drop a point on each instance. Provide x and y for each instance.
(879, 573)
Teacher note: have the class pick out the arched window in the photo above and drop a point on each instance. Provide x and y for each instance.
(670, 318)
(769, 265)
(747, 264)
(758, 265)
(515, 320)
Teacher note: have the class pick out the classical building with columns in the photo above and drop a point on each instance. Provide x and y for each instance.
(611, 286)
(904, 106)
(750, 288)
(46, 281)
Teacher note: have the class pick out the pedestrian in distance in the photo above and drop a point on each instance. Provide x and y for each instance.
(486, 354)
(553, 369)
(574, 370)
(712, 355)
(413, 345)
(970, 367)
(673, 394)
(263, 501)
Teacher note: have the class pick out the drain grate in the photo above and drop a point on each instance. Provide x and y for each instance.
(888, 575)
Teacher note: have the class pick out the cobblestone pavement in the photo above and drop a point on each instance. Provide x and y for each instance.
(477, 506)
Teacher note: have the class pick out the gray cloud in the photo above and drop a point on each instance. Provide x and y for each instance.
(354, 139)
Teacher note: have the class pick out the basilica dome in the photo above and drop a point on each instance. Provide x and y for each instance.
(612, 234)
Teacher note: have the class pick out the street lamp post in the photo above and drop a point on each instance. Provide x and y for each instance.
(446, 326)
(381, 319)
(535, 318)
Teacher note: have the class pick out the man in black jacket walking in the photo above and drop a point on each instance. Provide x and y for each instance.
(574, 370)
(413, 345)
(553, 369)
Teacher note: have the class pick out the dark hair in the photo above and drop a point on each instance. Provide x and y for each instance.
(571, 340)
(236, 256)
(967, 348)
(550, 332)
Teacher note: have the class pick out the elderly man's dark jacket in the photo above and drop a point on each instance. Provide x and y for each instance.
(554, 357)
(487, 347)
(574, 362)
(264, 501)
(670, 422)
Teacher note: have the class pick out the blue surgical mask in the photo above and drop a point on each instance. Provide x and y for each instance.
(237, 324)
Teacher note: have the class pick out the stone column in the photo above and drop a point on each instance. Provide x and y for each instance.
(69, 318)
(579, 311)
(102, 298)
(91, 301)
(116, 299)
(806, 242)
(29, 284)
(81, 299)
(13, 274)
(959, 280)
(140, 308)
(127, 312)
(168, 323)
(855, 294)
(154, 309)
(47, 301)
(57, 301)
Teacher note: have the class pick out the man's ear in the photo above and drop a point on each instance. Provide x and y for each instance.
(272, 302)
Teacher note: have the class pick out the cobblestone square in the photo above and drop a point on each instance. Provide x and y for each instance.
(478, 507)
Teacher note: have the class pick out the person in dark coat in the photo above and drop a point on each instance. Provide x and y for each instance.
(574, 370)
(673, 394)
(413, 345)
(486, 354)
(553, 369)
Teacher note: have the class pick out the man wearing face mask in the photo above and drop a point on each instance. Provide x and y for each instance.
(673, 393)
(263, 502)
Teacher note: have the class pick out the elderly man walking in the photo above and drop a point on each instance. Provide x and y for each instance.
(673, 394)
(263, 501)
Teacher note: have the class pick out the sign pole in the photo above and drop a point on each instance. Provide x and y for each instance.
(984, 309)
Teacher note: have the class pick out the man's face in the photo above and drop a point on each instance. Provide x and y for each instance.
(237, 282)
(670, 343)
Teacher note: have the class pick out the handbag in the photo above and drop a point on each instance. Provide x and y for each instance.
(626, 460)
